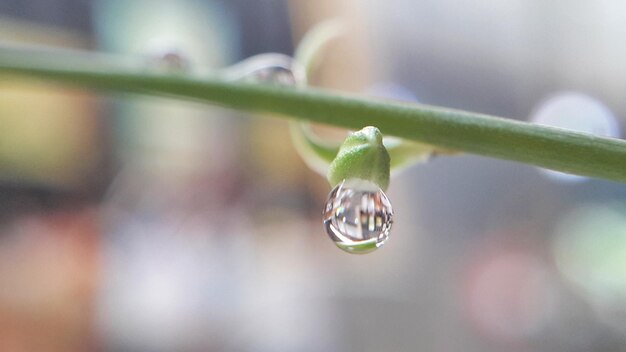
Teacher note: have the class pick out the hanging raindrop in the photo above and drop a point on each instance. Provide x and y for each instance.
(358, 216)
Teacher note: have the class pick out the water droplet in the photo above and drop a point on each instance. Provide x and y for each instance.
(166, 57)
(577, 112)
(358, 216)
(270, 68)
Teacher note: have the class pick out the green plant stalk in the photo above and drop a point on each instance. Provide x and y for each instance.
(551, 148)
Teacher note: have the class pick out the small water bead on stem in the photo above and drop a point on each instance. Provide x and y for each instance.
(269, 68)
(166, 56)
(358, 216)
(174, 60)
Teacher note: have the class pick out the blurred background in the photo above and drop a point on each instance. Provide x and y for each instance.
(145, 224)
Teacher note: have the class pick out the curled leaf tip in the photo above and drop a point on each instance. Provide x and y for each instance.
(369, 134)
(361, 156)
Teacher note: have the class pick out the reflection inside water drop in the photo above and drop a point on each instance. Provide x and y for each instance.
(358, 216)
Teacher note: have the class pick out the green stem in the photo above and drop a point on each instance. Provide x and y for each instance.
(547, 147)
